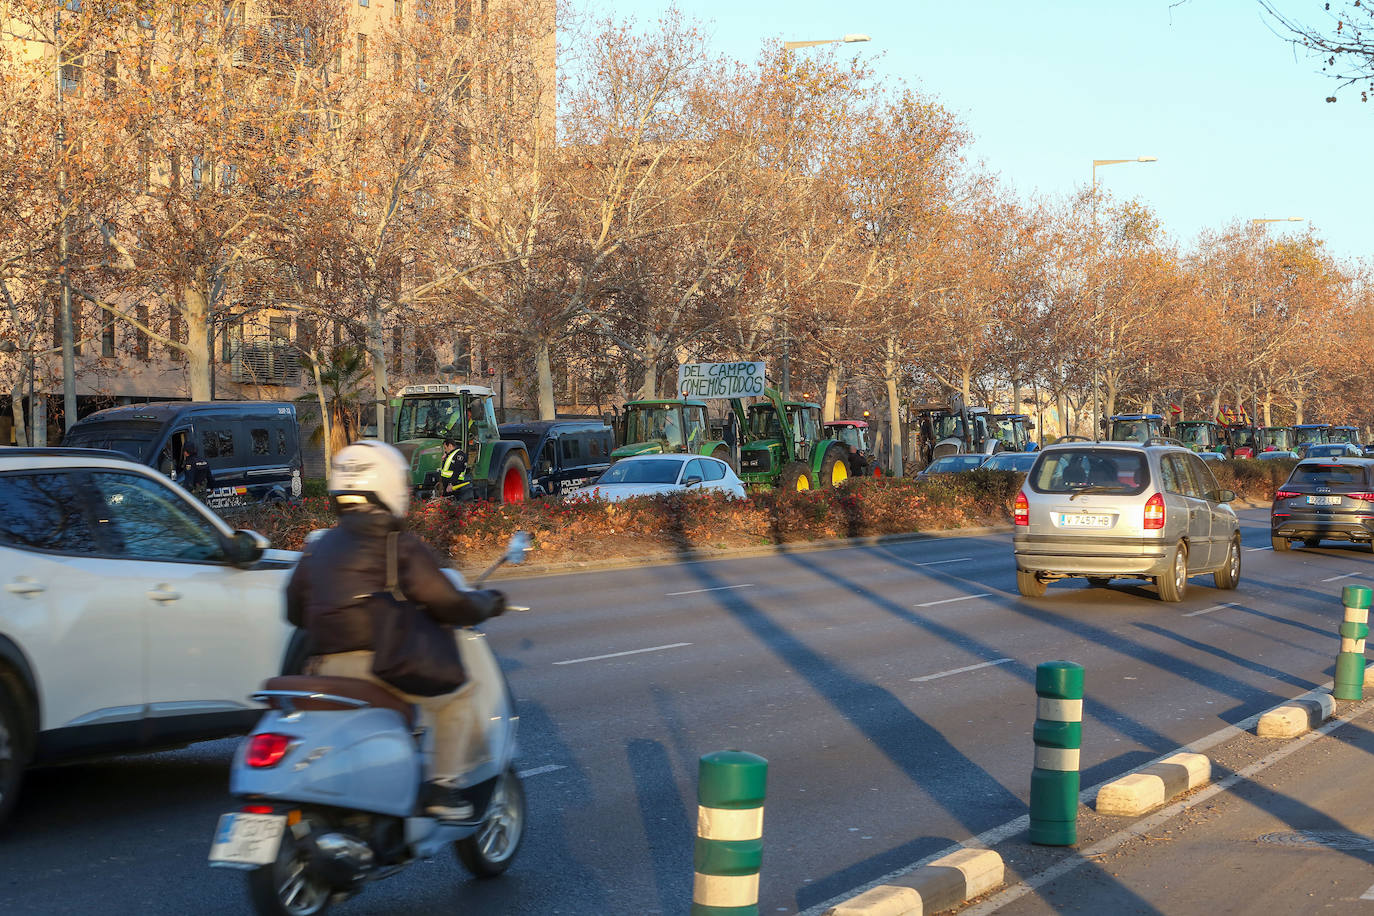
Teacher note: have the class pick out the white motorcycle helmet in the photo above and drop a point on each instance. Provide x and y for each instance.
(370, 472)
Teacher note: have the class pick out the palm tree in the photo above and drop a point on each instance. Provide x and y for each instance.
(339, 375)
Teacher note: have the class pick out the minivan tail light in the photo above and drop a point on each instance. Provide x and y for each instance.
(267, 749)
(1021, 512)
(1286, 494)
(1154, 512)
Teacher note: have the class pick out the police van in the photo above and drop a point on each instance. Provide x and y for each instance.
(252, 448)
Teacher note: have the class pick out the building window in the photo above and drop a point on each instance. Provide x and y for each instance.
(107, 338)
(111, 73)
(396, 67)
(362, 2)
(141, 349)
(397, 9)
(362, 54)
(75, 63)
(462, 355)
(398, 339)
(462, 16)
(57, 326)
(176, 332)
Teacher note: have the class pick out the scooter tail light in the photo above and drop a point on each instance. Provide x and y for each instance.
(267, 749)
(1021, 511)
(1154, 512)
(258, 809)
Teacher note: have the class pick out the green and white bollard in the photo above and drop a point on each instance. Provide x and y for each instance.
(1350, 662)
(1058, 738)
(729, 849)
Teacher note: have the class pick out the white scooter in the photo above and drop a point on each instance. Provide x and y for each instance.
(330, 781)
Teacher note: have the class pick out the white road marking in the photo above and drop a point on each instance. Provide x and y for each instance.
(1253, 549)
(1345, 576)
(597, 658)
(940, 562)
(991, 837)
(540, 771)
(1219, 607)
(931, 677)
(1368, 895)
(698, 591)
(951, 600)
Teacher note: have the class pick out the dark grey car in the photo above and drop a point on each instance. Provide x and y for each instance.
(1325, 499)
(1121, 510)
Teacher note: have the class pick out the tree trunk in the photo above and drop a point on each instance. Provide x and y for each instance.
(324, 412)
(832, 392)
(21, 434)
(1109, 379)
(649, 389)
(1268, 408)
(1216, 405)
(196, 317)
(1297, 409)
(376, 348)
(893, 416)
(543, 371)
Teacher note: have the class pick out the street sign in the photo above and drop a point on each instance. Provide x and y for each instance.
(720, 380)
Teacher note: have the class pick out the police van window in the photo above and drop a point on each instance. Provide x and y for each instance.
(226, 442)
(572, 449)
(281, 440)
(261, 442)
(594, 449)
(209, 444)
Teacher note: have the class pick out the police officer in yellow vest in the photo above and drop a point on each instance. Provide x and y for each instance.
(453, 472)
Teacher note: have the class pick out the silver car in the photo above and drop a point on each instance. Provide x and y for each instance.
(1123, 510)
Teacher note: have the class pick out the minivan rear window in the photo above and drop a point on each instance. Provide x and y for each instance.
(1071, 470)
(1328, 475)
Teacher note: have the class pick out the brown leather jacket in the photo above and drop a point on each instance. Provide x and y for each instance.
(328, 592)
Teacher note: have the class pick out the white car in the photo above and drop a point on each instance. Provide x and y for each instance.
(132, 616)
(648, 475)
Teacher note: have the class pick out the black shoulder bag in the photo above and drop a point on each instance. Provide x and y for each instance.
(413, 652)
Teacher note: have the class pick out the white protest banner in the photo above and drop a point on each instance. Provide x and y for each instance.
(720, 380)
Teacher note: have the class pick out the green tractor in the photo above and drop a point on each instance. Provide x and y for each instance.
(783, 446)
(1203, 436)
(425, 415)
(666, 425)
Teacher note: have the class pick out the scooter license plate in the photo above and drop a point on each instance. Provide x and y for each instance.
(247, 839)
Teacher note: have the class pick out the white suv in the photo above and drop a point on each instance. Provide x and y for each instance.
(131, 616)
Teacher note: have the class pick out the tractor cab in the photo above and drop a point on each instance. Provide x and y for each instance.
(1201, 435)
(1349, 434)
(947, 430)
(1276, 439)
(1311, 434)
(1013, 430)
(1136, 427)
(853, 435)
(1243, 438)
(426, 415)
(666, 426)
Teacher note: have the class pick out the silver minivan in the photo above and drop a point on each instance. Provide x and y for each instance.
(1106, 510)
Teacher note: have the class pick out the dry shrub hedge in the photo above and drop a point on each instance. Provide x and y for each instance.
(472, 534)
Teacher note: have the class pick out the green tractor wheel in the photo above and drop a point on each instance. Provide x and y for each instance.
(723, 454)
(795, 476)
(834, 469)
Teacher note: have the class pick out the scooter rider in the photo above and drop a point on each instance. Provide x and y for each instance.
(329, 595)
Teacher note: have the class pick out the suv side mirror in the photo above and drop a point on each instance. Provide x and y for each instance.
(1225, 496)
(247, 548)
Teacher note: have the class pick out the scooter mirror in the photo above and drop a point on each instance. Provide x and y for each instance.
(515, 551)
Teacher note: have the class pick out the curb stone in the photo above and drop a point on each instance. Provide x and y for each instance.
(1151, 787)
(946, 882)
(1298, 716)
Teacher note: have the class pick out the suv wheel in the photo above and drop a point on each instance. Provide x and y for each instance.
(11, 752)
(1279, 544)
(1030, 584)
(1229, 575)
(1173, 585)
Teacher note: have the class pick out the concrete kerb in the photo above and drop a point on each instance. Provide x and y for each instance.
(532, 571)
(1147, 789)
(948, 881)
(1298, 717)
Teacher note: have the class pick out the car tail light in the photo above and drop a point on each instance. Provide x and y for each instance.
(267, 749)
(1154, 512)
(1021, 512)
(1367, 497)
(1286, 494)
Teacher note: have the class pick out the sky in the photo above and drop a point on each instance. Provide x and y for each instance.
(1237, 117)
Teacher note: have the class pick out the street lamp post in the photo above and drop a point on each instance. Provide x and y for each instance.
(63, 262)
(785, 370)
(1097, 418)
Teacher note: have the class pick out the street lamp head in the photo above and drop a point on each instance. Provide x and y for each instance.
(857, 36)
(1296, 219)
(1147, 159)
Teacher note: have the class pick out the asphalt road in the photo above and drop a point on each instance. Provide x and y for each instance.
(889, 687)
